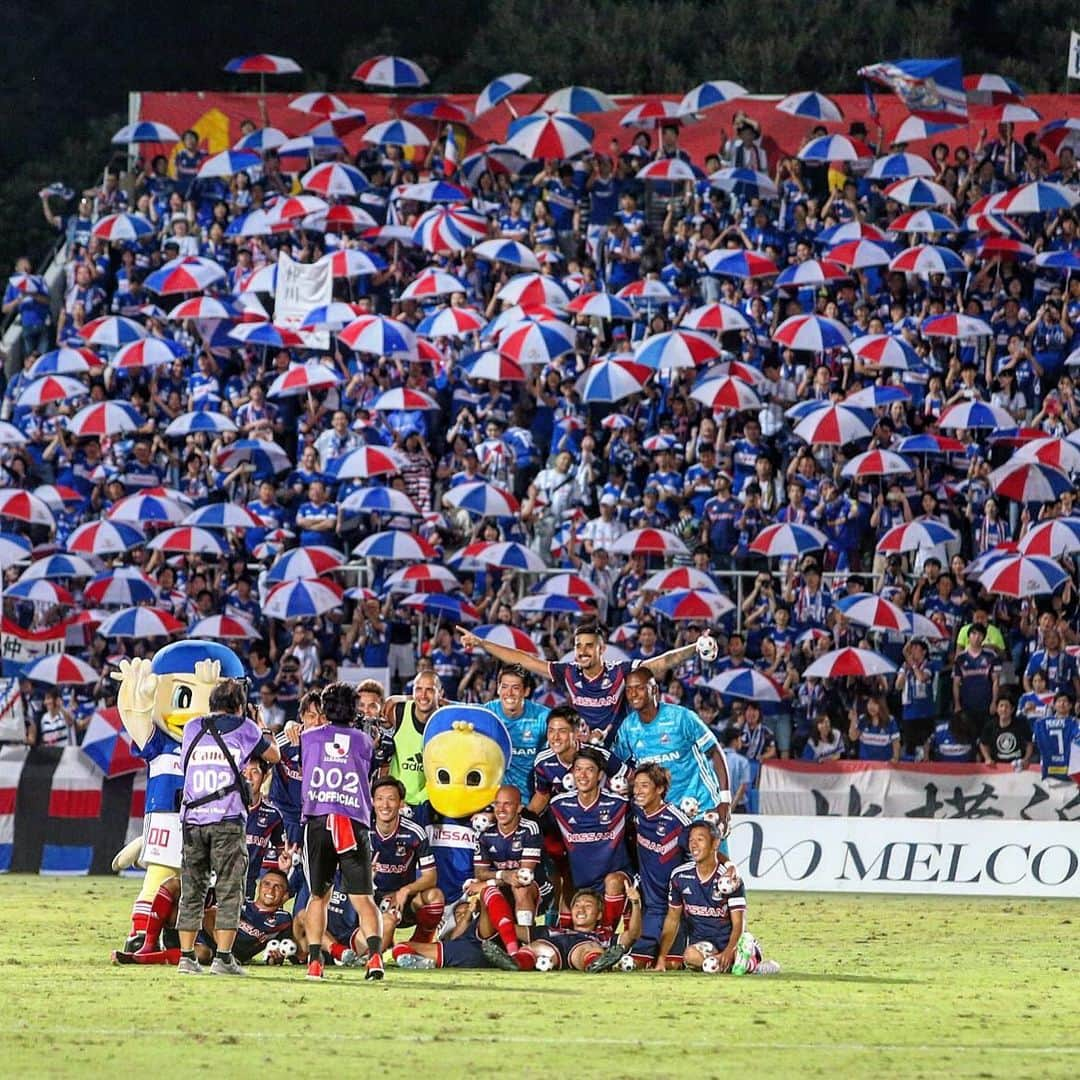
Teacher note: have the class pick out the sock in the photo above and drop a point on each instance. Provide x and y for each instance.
(525, 958)
(140, 914)
(374, 946)
(502, 919)
(160, 909)
(566, 920)
(428, 917)
(225, 956)
(188, 954)
(404, 949)
(336, 951)
(613, 909)
(162, 956)
(314, 954)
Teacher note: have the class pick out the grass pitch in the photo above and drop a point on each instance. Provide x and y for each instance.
(872, 986)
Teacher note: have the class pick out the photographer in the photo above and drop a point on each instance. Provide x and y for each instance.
(214, 808)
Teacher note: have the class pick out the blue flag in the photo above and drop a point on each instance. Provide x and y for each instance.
(931, 89)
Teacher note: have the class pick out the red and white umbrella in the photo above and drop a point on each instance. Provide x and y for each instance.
(482, 499)
(1029, 481)
(677, 349)
(927, 259)
(505, 554)
(569, 585)
(342, 217)
(431, 283)
(104, 418)
(649, 542)
(965, 415)
(188, 274)
(413, 578)
(452, 322)
(60, 669)
(367, 461)
(146, 353)
(834, 425)
(140, 622)
(24, 506)
(104, 538)
(840, 663)
(688, 605)
(379, 335)
(549, 135)
(1054, 538)
(402, 398)
(681, 577)
(302, 599)
(396, 545)
(726, 393)
(959, 327)
(350, 263)
(875, 612)
(510, 637)
(533, 289)
(300, 379)
(747, 683)
(915, 535)
(787, 540)
(51, 389)
(537, 342)
(449, 228)
(190, 540)
(223, 628)
(1021, 576)
(672, 170)
(112, 331)
(334, 180)
(491, 366)
(812, 333)
(876, 463)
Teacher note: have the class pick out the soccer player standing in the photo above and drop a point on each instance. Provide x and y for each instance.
(525, 721)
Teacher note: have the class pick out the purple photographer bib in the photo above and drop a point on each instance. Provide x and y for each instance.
(208, 772)
(337, 770)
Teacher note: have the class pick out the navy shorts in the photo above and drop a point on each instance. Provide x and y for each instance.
(462, 952)
(652, 926)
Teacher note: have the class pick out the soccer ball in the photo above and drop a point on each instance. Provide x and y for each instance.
(482, 821)
(707, 648)
(618, 785)
(544, 962)
(297, 858)
(711, 816)
(273, 951)
(728, 880)
(524, 876)
(710, 965)
(706, 948)
(689, 806)
(386, 904)
(287, 948)
(627, 963)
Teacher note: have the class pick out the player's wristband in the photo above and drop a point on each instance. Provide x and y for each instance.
(725, 798)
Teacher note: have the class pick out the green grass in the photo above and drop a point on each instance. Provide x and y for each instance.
(882, 986)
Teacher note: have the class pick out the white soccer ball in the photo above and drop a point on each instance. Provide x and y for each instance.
(297, 858)
(544, 962)
(728, 880)
(618, 785)
(689, 806)
(627, 963)
(287, 948)
(273, 951)
(481, 821)
(525, 876)
(386, 904)
(710, 965)
(706, 948)
(707, 648)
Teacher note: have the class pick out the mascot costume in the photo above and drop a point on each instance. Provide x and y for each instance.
(156, 699)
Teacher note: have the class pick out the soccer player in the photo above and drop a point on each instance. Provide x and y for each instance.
(594, 688)
(507, 866)
(264, 832)
(659, 842)
(707, 896)
(593, 827)
(403, 867)
(408, 717)
(263, 919)
(461, 948)
(336, 760)
(677, 739)
(1054, 734)
(526, 722)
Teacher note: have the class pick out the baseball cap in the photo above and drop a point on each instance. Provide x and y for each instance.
(608, 499)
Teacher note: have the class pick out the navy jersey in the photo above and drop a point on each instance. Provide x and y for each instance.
(551, 777)
(595, 836)
(660, 844)
(257, 926)
(1053, 735)
(706, 911)
(285, 782)
(453, 845)
(399, 859)
(264, 835)
(341, 918)
(975, 674)
(496, 850)
(565, 941)
(601, 701)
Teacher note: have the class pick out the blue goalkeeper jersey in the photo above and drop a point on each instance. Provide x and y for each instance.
(528, 732)
(677, 739)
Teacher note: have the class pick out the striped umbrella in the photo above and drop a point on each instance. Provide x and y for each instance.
(914, 535)
(342, 217)
(40, 591)
(64, 361)
(188, 274)
(482, 500)
(707, 95)
(302, 599)
(745, 183)
(50, 389)
(335, 180)
(918, 191)
(395, 133)
(787, 540)
(835, 148)
(449, 228)
(261, 64)
(350, 263)
(876, 463)
(1038, 197)
(379, 335)
(647, 291)
(876, 397)
(850, 230)
(301, 379)
(1020, 576)
(578, 100)
(368, 461)
(108, 745)
(395, 545)
(923, 221)
(104, 418)
(1058, 453)
(677, 349)
(510, 252)
(549, 135)
(147, 353)
(60, 669)
(746, 683)
(452, 322)
(960, 327)
(533, 289)
(840, 663)
(24, 506)
(104, 538)
(379, 500)
(112, 331)
(859, 254)
(493, 367)
(432, 191)
(493, 158)
(318, 103)
(508, 636)
(812, 333)
(649, 542)
(811, 105)
(265, 455)
(885, 351)
(899, 167)
(140, 509)
(649, 114)
(967, 415)
(312, 561)
(228, 163)
(223, 628)
(689, 604)
(834, 425)
(393, 72)
(1067, 262)
(504, 554)
(499, 89)
(549, 604)
(1059, 133)
(140, 622)
(443, 606)
(51, 566)
(655, 443)
(715, 318)
(612, 380)
(1052, 539)
(1029, 481)
(412, 578)
(189, 540)
(432, 282)
(726, 393)
(810, 272)
(679, 578)
(600, 305)
(189, 423)
(537, 342)
(144, 131)
(927, 259)
(875, 612)
(402, 398)
(125, 586)
(333, 316)
(671, 170)
(122, 227)
(224, 515)
(568, 585)
(740, 264)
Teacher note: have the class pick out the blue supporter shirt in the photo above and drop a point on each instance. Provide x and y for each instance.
(875, 741)
(1053, 735)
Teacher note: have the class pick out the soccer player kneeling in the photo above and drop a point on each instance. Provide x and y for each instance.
(708, 895)
(336, 761)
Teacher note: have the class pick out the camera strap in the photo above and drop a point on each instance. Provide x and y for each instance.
(239, 784)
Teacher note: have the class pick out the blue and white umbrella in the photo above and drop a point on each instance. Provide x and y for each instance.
(499, 89)
(64, 361)
(835, 148)
(139, 509)
(309, 562)
(395, 133)
(260, 140)
(140, 622)
(549, 604)
(708, 94)
(16, 549)
(397, 546)
(811, 105)
(126, 586)
(900, 167)
(266, 456)
(510, 252)
(393, 72)
(229, 163)
(145, 131)
(746, 183)
(379, 500)
(304, 598)
(224, 515)
(578, 100)
(431, 191)
(965, 415)
(612, 380)
(482, 500)
(190, 423)
(550, 135)
(918, 191)
(746, 684)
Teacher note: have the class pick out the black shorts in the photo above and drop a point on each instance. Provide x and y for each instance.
(322, 859)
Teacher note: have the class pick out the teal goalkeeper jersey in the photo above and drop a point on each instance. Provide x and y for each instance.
(678, 740)
(528, 733)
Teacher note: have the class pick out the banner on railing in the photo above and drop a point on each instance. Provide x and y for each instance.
(875, 789)
(890, 855)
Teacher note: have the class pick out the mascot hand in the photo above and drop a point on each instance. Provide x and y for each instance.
(138, 687)
(208, 672)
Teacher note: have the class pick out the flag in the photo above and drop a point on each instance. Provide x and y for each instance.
(930, 89)
(871, 101)
(301, 287)
(21, 647)
(1073, 66)
(450, 156)
(12, 716)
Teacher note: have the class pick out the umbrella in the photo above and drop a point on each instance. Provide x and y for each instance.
(812, 333)
(511, 252)
(261, 139)
(224, 515)
(318, 103)
(875, 397)
(335, 179)
(811, 105)
(223, 628)
(839, 663)
(650, 114)
(441, 109)
(612, 380)
(960, 327)
(482, 499)
(139, 509)
(495, 159)
(810, 272)
(782, 541)
(677, 349)
(1029, 481)
(104, 538)
(549, 135)
(379, 335)
(145, 131)
(600, 305)
(379, 500)
(706, 95)
(835, 148)
(834, 425)
(443, 606)
(923, 221)
(432, 191)
(449, 228)
(333, 316)
(39, 591)
(568, 585)
(367, 461)
(413, 578)
(915, 535)
(262, 453)
(120, 227)
(312, 561)
(190, 540)
(876, 463)
(126, 586)
(500, 89)
(302, 599)
(740, 264)
(990, 89)
(509, 637)
(965, 415)
(726, 393)
(104, 418)
(493, 367)
(343, 217)
(1021, 576)
(189, 423)
(395, 133)
(59, 669)
(578, 100)
(112, 331)
(108, 745)
(49, 389)
(885, 351)
(919, 191)
(349, 263)
(689, 604)
(899, 167)
(1059, 133)
(451, 322)
(393, 72)
(1038, 197)
(262, 64)
(395, 545)
(1009, 112)
(672, 170)
(655, 443)
(402, 398)
(64, 361)
(532, 289)
(859, 254)
(549, 604)
(147, 353)
(188, 274)
(228, 163)
(140, 622)
(866, 609)
(24, 506)
(745, 183)
(1052, 539)
(52, 566)
(1058, 453)
(851, 230)
(746, 683)
(927, 259)
(504, 554)
(649, 542)
(301, 379)
(646, 291)
(431, 283)
(715, 318)
(1066, 261)
(1004, 247)
(537, 342)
